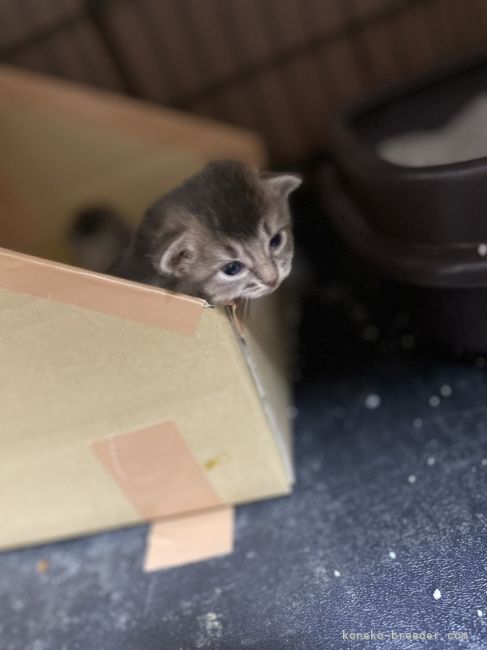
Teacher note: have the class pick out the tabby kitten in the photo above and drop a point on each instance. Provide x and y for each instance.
(223, 235)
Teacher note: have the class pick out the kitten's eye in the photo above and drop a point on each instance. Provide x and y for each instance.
(232, 268)
(276, 240)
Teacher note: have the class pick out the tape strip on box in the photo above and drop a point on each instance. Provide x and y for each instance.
(190, 538)
(102, 293)
(157, 471)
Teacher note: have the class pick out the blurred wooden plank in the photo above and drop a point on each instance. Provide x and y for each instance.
(233, 61)
(75, 53)
(19, 19)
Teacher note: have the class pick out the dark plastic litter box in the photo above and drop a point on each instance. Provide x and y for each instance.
(425, 225)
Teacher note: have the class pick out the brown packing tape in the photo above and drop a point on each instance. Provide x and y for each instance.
(191, 538)
(102, 293)
(156, 471)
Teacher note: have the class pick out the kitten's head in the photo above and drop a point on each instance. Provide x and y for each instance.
(225, 234)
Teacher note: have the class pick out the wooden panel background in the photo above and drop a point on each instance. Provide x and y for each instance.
(276, 66)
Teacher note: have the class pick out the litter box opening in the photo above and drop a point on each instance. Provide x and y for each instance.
(425, 104)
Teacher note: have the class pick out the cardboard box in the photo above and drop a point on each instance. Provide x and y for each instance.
(119, 402)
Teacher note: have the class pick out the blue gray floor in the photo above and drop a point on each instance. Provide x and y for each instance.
(385, 532)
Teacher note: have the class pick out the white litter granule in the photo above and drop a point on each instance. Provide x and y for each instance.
(434, 401)
(408, 341)
(480, 613)
(292, 412)
(392, 555)
(411, 478)
(484, 461)
(482, 250)
(297, 375)
(359, 313)
(211, 628)
(371, 333)
(437, 594)
(431, 461)
(445, 390)
(336, 573)
(372, 401)
(418, 423)
(402, 320)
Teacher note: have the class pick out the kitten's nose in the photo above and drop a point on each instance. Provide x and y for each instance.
(270, 278)
(272, 283)
(268, 275)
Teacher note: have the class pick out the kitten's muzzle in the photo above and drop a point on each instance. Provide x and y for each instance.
(269, 276)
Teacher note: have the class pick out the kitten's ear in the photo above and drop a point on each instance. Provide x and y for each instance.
(281, 184)
(177, 256)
